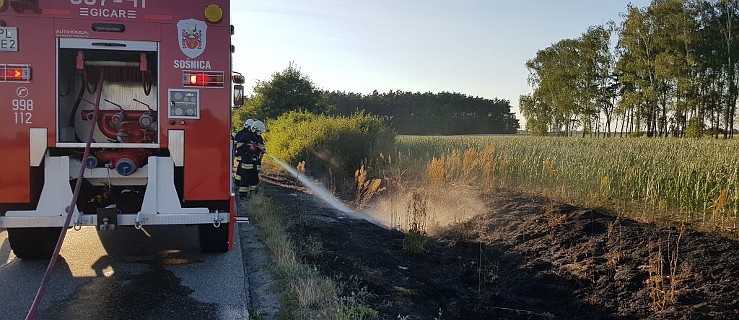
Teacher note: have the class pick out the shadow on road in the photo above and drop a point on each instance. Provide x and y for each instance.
(4, 248)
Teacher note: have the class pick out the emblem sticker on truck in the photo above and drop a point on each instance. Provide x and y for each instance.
(8, 39)
(192, 37)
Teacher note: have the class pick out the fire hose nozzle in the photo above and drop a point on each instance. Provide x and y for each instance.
(257, 147)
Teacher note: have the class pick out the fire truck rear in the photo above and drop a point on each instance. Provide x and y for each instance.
(159, 74)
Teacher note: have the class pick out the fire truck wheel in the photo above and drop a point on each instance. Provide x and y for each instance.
(213, 239)
(33, 243)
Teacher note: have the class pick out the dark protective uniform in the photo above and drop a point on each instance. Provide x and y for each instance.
(259, 151)
(243, 139)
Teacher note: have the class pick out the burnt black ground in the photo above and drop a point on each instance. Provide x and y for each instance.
(524, 258)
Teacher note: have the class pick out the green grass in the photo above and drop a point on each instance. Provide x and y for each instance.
(307, 294)
(683, 180)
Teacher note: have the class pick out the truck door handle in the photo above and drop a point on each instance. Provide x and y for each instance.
(108, 44)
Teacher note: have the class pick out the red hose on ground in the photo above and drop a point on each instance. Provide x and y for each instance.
(47, 275)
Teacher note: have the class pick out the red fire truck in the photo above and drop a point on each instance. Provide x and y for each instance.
(148, 84)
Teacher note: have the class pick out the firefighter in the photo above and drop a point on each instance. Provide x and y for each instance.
(256, 152)
(242, 138)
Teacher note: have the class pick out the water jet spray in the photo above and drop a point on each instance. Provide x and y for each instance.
(325, 195)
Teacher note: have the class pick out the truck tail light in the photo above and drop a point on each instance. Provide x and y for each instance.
(15, 73)
(203, 79)
(199, 80)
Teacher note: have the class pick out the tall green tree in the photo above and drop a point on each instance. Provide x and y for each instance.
(573, 82)
(675, 27)
(658, 65)
(708, 75)
(553, 74)
(537, 115)
(288, 90)
(637, 67)
(719, 54)
(598, 79)
(675, 64)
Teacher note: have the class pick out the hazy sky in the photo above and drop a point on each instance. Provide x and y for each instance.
(475, 47)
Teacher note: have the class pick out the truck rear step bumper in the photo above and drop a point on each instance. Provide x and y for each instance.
(161, 205)
(123, 220)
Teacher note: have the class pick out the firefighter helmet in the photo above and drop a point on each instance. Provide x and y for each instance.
(258, 127)
(248, 123)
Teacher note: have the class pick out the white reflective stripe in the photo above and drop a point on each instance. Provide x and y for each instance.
(247, 166)
(38, 145)
(177, 147)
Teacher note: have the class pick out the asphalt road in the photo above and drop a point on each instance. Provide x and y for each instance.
(127, 275)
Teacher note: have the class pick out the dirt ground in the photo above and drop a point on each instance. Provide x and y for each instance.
(520, 257)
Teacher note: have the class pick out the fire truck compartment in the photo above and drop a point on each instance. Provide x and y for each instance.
(129, 101)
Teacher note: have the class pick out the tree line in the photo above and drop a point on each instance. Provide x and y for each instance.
(669, 69)
(442, 113)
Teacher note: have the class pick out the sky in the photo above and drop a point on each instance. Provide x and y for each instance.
(474, 47)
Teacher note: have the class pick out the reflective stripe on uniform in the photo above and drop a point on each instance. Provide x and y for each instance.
(243, 189)
(237, 177)
(259, 167)
(247, 166)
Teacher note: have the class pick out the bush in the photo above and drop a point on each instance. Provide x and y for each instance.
(695, 128)
(327, 143)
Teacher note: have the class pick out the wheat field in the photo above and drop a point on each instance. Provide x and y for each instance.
(681, 180)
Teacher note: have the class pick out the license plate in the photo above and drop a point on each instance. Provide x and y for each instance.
(8, 39)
